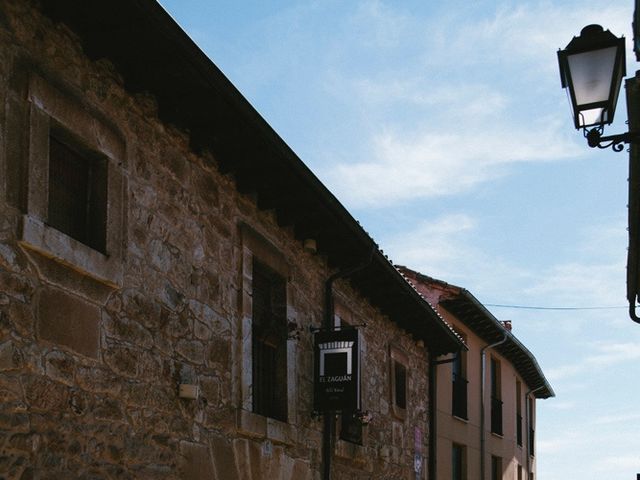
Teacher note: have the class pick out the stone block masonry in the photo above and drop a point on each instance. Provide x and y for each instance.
(94, 346)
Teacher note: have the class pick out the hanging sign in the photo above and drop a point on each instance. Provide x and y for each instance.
(337, 371)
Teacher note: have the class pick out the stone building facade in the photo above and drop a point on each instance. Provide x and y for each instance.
(485, 400)
(148, 218)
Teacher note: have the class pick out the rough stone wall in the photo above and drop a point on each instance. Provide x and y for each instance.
(91, 354)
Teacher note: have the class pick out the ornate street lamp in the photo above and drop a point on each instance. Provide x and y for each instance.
(591, 68)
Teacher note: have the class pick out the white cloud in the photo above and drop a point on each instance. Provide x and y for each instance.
(556, 405)
(476, 100)
(580, 284)
(436, 163)
(432, 245)
(618, 418)
(443, 247)
(567, 441)
(454, 137)
(380, 26)
(531, 33)
(594, 454)
(603, 355)
(618, 463)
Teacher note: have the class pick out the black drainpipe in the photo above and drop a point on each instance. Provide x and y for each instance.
(528, 421)
(328, 432)
(432, 417)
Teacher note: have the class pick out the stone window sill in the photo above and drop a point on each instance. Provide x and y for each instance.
(460, 419)
(48, 242)
(259, 426)
(352, 451)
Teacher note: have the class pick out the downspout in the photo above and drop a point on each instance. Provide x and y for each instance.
(633, 100)
(433, 371)
(527, 425)
(483, 376)
(328, 431)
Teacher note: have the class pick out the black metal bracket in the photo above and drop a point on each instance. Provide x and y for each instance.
(616, 142)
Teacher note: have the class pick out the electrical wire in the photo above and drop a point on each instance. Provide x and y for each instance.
(528, 307)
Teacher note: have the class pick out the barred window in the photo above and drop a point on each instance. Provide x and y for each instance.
(400, 385)
(399, 376)
(77, 204)
(269, 337)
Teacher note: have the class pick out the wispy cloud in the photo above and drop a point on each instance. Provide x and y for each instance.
(603, 356)
(438, 243)
(454, 137)
(617, 418)
(443, 247)
(580, 284)
(430, 163)
(447, 247)
(593, 456)
(618, 464)
(556, 405)
(514, 32)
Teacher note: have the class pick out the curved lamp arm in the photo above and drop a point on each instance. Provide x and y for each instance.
(616, 142)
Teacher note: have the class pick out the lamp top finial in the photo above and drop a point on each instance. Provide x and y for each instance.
(591, 30)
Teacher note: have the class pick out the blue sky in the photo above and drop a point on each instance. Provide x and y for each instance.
(442, 127)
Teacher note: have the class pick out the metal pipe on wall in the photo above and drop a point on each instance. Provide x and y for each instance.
(328, 431)
(528, 425)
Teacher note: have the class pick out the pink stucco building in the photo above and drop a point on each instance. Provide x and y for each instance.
(485, 398)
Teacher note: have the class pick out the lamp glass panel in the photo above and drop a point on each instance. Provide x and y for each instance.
(591, 73)
(593, 116)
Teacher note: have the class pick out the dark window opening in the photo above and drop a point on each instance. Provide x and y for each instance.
(496, 468)
(400, 387)
(495, 378)
(496, 415)
(459, 383)
(457, 462)
(519, 413)
(519, 429)
(459, 397)
(496, 398)
(269, 348)
(77, 204)
(532, 441)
